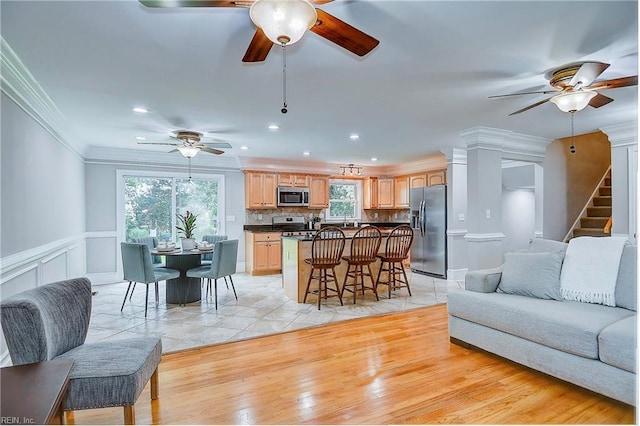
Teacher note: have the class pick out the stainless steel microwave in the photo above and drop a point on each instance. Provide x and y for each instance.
(293, 197)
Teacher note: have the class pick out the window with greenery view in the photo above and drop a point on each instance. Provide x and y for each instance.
(343, 201)
(151, 205)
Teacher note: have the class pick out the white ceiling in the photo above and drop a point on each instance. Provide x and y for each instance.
(428, 80)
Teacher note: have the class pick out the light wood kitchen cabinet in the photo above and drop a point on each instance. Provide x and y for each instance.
(436, 177)
(292, 179)
(370, 193)
(318, 192)
(401, 192)
(260, 190)
(418, 181)
(263, 253)
(385, 193)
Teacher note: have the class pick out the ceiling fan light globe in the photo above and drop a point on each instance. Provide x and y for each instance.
(188, 151)
(283, 21)
(573, 101)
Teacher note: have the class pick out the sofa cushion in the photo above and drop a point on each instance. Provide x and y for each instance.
(541, 245)
(111, 373)
(627, 283)
(568, 326)
(618, 344)
(532, 274)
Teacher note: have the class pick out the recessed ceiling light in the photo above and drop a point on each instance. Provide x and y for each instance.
(374, 159)
(244, 147)
(141, 138)
(273, 127)
(354, 136)
(140, 110)
(306, 153)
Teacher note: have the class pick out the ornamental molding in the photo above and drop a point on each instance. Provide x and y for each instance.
(624, 134)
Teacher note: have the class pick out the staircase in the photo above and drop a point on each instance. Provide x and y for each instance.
(595, 219)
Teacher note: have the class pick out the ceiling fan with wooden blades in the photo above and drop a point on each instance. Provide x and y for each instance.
(189, 143)
(575, 87)
(302, 15)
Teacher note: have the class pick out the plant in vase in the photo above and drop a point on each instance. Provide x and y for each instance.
(186, 226)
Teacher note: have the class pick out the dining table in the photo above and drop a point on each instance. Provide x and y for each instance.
(183, 289)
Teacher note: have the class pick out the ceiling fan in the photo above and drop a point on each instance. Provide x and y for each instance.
(575, 87)
(189, 144)
(300, 15)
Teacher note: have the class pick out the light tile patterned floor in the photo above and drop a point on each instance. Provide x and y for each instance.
(262, 308)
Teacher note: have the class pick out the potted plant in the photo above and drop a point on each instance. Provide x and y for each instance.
(186, 225)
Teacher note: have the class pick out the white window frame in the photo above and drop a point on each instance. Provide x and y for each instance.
(358, 200)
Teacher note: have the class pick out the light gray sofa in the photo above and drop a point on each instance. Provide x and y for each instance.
(587, 344)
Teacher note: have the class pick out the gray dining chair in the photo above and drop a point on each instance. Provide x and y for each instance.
(152, 243)
(51, 322)
(138, 268)
(223, 265)
(211, 239)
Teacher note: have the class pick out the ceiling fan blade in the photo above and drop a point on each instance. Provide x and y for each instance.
(157, 143)
(320, 1)
(196, 3)
(210, 150)
(173, 150)
(588, 72)
(600, 100)
(258, 48)
(220, 145)
(616, 82)
(545, 92)
(343, 34)
(530, 106)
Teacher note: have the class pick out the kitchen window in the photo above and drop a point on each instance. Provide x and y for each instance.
(344, 200)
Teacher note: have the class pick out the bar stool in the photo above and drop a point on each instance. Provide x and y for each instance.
(326, 250)
(396, 250)
(364, 248)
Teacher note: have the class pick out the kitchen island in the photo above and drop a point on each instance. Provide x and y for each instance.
(295, 272)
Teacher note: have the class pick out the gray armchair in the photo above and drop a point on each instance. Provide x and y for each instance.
(211, 239)
(138, 268)
(51, 322)
(223, 265)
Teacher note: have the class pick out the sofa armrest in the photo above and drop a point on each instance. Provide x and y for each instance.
(483, 280)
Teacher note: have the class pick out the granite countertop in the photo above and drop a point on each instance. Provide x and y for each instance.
(271, 228)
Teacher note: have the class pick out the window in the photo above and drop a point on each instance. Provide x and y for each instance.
(151, 201)
(344, 200)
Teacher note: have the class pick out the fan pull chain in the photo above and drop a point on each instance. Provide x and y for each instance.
(189, 158)
(284, 78)
(572, 147)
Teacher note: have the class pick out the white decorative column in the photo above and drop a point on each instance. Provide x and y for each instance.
(484, 197)
(624, 152)
(456, 213)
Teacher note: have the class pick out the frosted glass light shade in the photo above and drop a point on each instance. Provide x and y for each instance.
(188, 151)
(283, 21)
(573, 101)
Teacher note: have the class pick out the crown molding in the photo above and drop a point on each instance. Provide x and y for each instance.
(624, 134)
(513, 145)
(19, 85)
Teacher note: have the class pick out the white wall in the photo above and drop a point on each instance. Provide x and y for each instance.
(518, 218)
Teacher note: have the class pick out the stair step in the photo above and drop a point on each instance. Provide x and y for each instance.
(607, 181)
(593, 222)
(589, 232)
(605, 191)
(599, 211)
(601, 201)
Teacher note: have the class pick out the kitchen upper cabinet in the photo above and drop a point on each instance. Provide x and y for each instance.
(292, 179)
(436, 177)
(370, 193)
(418, 181)
(263, 253)
(401, 192)
(260, 190)
(318, 192)
(385, 193)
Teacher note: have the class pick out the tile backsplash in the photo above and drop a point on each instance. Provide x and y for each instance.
(264, 216)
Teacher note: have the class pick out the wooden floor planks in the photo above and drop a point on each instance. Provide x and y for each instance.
(395, 368)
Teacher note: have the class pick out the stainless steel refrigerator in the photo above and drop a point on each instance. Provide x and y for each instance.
(429, 223)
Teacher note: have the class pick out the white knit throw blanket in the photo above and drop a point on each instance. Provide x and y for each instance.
(590, 269)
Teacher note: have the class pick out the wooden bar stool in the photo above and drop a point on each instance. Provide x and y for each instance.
(326, 251)
(396, 251)
(364, 249)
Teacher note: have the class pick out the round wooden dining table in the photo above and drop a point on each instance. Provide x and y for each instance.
(183, 289)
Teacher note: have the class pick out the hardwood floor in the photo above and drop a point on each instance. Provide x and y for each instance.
(396, 368)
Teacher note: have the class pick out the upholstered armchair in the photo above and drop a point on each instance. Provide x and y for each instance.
(223, 265)
(51, 322)
(211, 239)
(152, 243)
